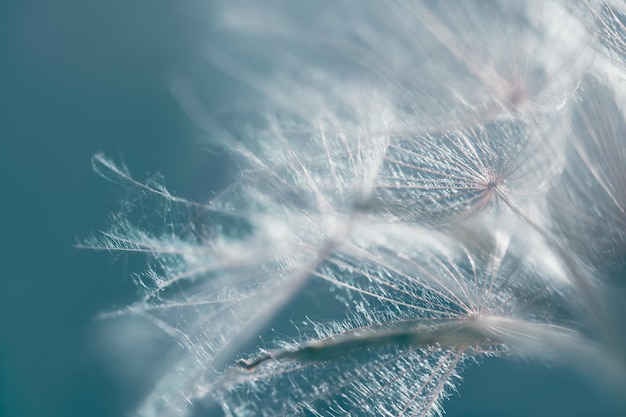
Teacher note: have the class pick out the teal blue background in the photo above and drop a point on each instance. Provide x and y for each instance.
(78, 77)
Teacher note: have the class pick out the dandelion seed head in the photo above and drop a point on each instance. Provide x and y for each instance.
(401, 159)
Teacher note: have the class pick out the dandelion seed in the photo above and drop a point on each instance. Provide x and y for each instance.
(458, 174)
(420, 314)
(210, 295)
(205, 290)
(510, 51)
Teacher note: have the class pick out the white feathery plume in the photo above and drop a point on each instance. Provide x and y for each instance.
(389, 137)
(423, 304)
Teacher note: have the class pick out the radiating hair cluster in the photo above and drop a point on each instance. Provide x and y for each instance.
(423, 185)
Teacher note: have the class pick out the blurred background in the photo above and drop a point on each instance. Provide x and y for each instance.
(79, 77)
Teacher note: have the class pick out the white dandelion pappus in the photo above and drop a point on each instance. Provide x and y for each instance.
(202, 288)
(210, 291)
(423, 305)
(440, 64)
(458, 174)
(511, 59)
